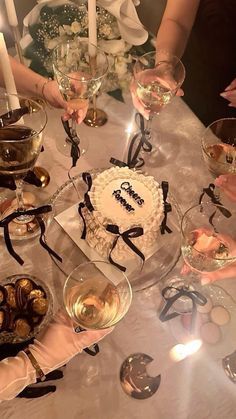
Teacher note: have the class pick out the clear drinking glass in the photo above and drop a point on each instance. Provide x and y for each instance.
(20, 145)
(208, 237)
(97, 295)
(157, 77)
(79, 78)
(219, 146)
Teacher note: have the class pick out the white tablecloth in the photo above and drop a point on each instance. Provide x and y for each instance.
(196, 388)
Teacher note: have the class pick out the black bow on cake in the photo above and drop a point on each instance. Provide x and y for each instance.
(167, 208)
(126, 236)
(37, 212)
(87, 178)
(142, 141)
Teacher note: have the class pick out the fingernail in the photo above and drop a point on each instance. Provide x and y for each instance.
(205, 281)
(231, 105)
(228, 88)
(224, 94)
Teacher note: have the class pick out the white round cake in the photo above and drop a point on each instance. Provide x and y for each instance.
(127, 199)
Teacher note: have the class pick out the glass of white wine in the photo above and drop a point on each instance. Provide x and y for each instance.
(79, 77)
(158, 75)
(219, 146)
(21, 135)
(97, 295)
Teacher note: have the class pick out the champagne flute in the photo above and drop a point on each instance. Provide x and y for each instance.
(97, 295)
(21, 138)
(79, 77)
(157, 78)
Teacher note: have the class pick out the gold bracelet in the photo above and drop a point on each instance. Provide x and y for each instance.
(43, 87)
(39, 373)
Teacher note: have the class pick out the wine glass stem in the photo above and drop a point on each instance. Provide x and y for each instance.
(94, 107)
(148, 126)
(19, 194)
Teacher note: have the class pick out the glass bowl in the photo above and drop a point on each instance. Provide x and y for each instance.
(12, 337)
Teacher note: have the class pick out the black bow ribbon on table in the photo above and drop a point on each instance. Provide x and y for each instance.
(87, 178)
(209, 191)
(13, 116)
(74, 140)
(8, 182)
(195, 296)
(4, 223)
(126, 236)
(167, 208)
(142, 138)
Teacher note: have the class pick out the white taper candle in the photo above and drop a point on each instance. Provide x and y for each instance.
(11, 13)
(7, 72)
(92, 22)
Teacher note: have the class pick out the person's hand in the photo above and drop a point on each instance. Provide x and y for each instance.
(75, 109)
(58, 343)
(149, 76)
(227, 183)
(230, 93)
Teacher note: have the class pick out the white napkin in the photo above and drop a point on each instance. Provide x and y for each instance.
(131, 29)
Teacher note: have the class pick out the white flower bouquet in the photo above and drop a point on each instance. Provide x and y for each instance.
(118, 30)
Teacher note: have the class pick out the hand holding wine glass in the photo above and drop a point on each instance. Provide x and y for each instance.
(227, 183)
(97, 295)
(79, 77)
(155, 83)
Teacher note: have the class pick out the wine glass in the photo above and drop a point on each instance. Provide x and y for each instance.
(79, 77)
(208, 244)
(97, 295)
(208, 237)
(21, 135)
(219, 146)
(157, 77)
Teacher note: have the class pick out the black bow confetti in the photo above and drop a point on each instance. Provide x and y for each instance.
(4, 223)
(167, 208)
(142, 141)
(209, 191)
(87, 178)
(126, 236)
(179, 292)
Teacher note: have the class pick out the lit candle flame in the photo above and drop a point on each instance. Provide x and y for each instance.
(181, 351)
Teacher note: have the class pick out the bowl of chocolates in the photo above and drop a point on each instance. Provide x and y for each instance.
(26, 306)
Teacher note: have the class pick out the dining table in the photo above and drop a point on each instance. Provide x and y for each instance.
(194, 388)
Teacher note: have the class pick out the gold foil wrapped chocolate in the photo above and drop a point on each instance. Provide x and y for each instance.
(22, 327)
(25, 284)
(39, 306)
(11, 295)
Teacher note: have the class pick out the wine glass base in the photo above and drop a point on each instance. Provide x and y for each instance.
(134, 378)
(96, 118)
(23, 227)
(42, 174)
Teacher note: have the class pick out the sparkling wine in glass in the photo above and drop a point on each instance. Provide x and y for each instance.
(219, 146)
(20, 145)
(97, 295)
(157, 77)
(79, 78)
